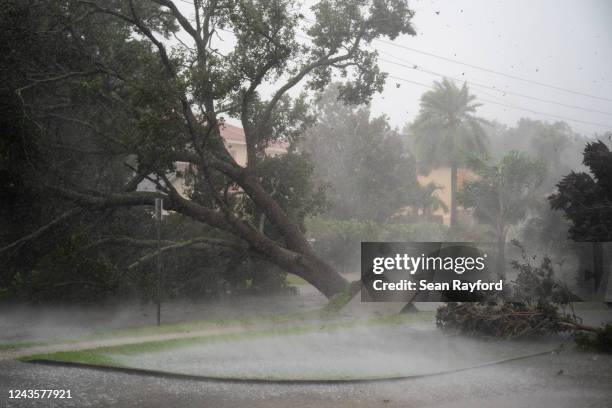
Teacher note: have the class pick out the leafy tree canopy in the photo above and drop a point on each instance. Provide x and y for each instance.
(370, 172)
(504, 189)
(110, 81)
(586, 198)
(502, 195)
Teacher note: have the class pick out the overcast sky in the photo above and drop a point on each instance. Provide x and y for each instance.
(566, 44)
(563, 43)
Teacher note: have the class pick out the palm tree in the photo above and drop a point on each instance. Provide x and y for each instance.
(427, 201)
(446, 129)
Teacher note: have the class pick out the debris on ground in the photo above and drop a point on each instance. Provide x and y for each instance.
(505, 320)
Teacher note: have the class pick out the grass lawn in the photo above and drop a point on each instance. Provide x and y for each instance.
(104, 355)
(20, 345)
(181, 327)
(195, 325)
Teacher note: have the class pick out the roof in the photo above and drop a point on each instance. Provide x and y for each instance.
(232, 133)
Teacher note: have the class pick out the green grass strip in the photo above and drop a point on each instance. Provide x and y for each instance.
(103, 355)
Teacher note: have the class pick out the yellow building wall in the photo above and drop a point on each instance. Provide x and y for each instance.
(441, 176)
(238, 152)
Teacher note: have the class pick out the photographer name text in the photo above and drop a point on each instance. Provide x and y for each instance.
(423, 284)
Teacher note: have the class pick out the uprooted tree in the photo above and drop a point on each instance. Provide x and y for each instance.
(136, 86)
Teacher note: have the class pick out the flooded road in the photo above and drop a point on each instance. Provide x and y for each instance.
(567, 379)
(369, 351)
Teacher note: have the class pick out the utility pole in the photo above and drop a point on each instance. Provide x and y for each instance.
(159, 206)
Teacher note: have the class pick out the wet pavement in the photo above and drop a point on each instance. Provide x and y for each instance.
(366, 351)
(567, 379)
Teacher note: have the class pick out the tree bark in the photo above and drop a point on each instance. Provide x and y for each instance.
(298, 258)
(501, 254)
(453, 203)
(501, 236)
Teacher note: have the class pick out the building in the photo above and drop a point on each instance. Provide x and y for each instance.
(234, 140)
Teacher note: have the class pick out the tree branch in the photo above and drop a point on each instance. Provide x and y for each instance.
(44, 229)
(57, 78)
(265, 117)
(184, 22)
(198, 243)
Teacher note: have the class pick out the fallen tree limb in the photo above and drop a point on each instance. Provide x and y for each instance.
(506, 320)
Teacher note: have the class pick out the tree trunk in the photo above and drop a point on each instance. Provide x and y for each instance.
(308, 267)
(322, 276)
(453, 202)
(598, 264)
(501, 254)
(297, 258)
(501, 231)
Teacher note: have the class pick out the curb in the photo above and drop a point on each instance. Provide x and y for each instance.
(245, 380)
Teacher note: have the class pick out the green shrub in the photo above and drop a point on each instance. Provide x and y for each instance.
(339, 241)
(65, 275)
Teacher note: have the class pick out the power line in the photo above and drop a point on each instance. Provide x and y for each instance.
(491, 71)
(489, 87)
(512, 106)
(558, 88)
(535, 98)
(476, 84)
(416, 67)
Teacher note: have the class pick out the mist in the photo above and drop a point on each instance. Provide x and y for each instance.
(191, 192)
